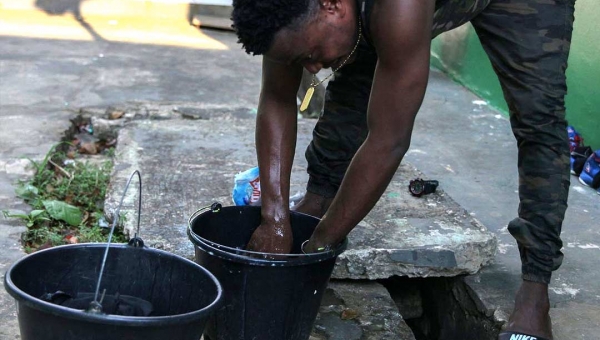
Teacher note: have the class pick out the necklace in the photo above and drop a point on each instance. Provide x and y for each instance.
(315, 83)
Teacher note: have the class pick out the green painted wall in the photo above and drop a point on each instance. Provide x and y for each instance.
(459, 54)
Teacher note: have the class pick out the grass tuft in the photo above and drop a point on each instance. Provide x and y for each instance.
(67, 197)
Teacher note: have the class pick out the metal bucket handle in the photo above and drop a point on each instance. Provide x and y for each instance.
(95, 306)
(215, 207)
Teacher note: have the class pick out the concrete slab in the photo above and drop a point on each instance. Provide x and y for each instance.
(22, 137)
(187, 164)
(574, 320)
(359, 310)
(404, 235)
(10, 251)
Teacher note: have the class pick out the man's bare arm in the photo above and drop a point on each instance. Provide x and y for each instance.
(276, 126)
(402, 35)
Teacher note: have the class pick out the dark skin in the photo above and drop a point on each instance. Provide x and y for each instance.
(401, 33)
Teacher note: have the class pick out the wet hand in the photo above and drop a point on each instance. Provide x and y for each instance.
(274, 238)
(323, 239)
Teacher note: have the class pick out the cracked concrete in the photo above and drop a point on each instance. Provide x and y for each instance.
(187, 164)
(23, 135)
(416, 237)
(359, 310)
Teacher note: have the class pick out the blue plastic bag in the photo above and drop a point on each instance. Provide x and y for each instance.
(246, 189)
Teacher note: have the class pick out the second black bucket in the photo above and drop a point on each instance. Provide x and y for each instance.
(262, 299)
(182, 293)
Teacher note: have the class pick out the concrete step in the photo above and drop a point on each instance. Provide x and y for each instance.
(185, 170)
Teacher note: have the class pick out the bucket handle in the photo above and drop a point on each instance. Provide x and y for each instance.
(95, 306)
(215, 207)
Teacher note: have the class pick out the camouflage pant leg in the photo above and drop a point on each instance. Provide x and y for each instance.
(342, 127)
(450, 14)
(528, 43)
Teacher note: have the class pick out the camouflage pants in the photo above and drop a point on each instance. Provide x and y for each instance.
(527, 42)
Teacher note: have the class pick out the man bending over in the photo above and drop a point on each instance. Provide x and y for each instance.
(379, 51)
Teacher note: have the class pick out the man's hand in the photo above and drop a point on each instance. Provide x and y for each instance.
(276, 123)
(274, 238)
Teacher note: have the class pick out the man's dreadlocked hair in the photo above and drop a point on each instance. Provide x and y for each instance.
(257, 21)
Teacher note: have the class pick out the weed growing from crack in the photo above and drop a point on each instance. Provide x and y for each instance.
(67, 197)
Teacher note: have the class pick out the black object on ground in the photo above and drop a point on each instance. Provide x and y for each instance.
(181, 293)
(419, 187)
(267, 299)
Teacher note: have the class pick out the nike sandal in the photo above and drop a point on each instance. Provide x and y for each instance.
(518, 336)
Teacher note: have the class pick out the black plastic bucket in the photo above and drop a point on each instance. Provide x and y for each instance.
(262, 299)
(182, 293)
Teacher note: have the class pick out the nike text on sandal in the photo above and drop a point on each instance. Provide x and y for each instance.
(518, 336)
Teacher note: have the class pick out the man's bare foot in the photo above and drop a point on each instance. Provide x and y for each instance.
(313, 204)
(532, 306)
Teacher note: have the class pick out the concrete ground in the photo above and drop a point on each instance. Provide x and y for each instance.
(470, 149)
(50, 64)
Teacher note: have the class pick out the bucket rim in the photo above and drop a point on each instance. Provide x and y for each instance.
(245, 256)
(117, 320)
(287, 260)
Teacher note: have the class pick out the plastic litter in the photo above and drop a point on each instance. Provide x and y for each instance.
(590, 176)
(246, 189)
